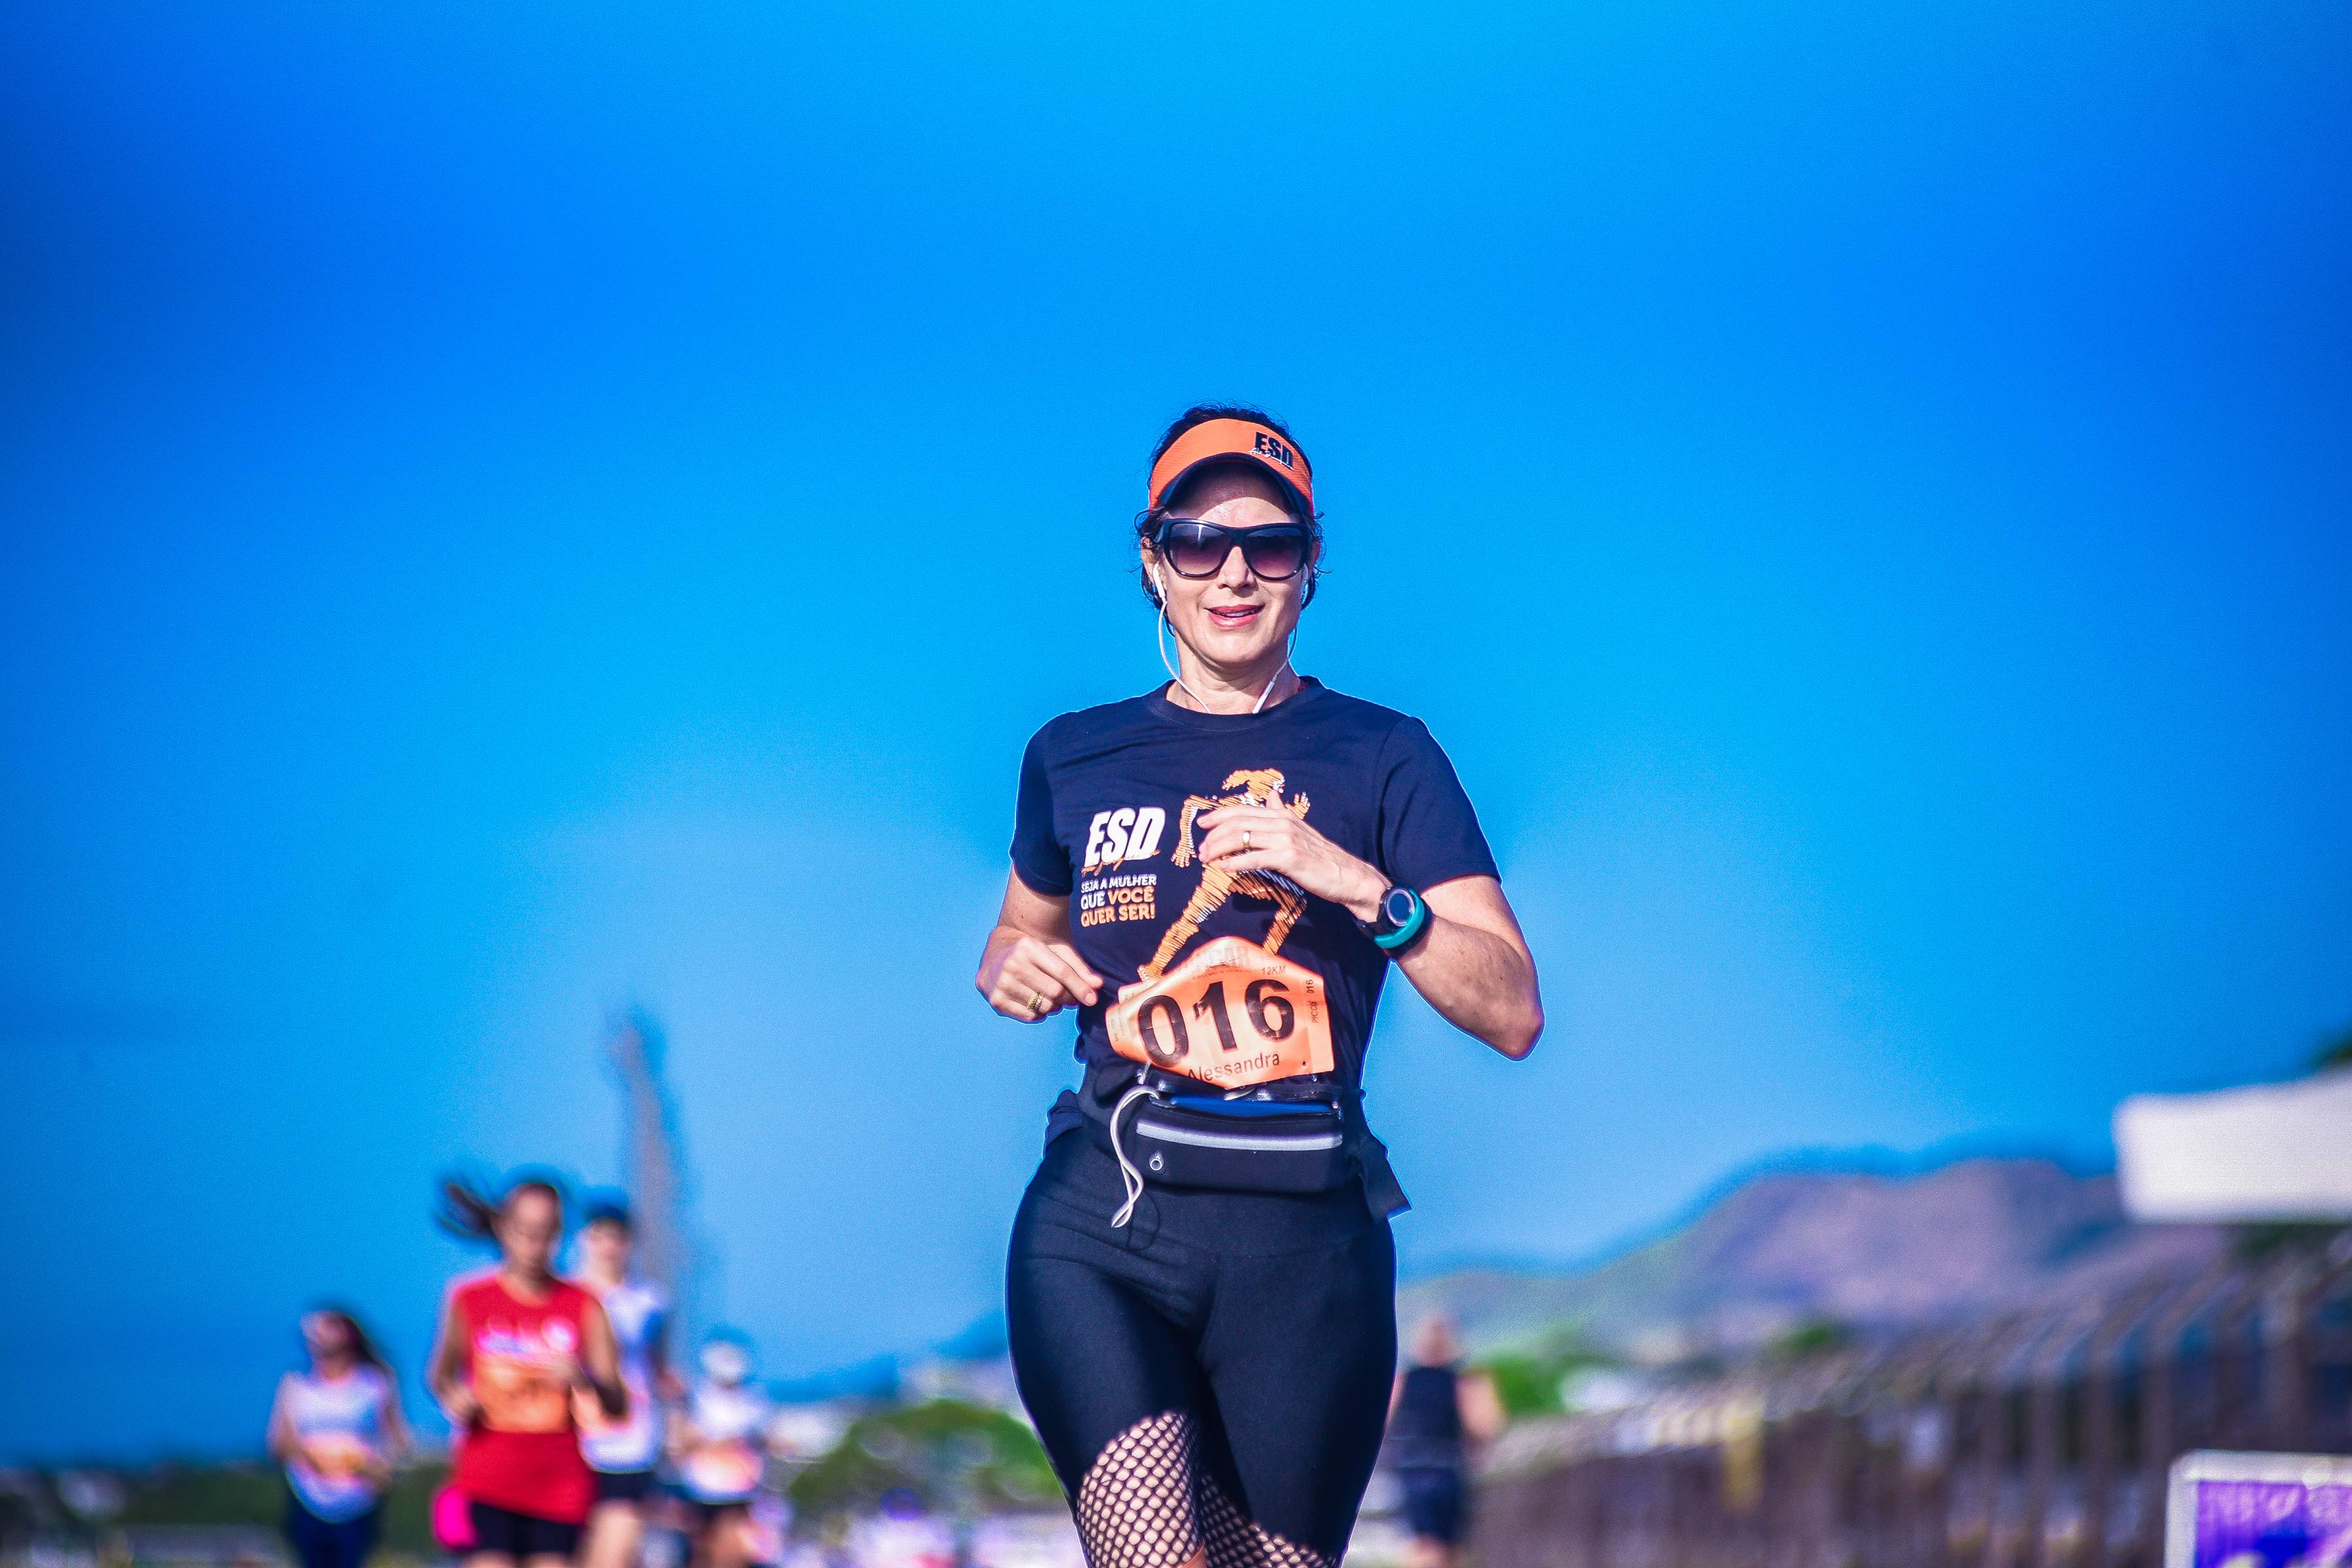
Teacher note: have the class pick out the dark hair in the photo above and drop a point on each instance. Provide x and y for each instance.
(1147, 523)
(606, 1208)
(467, 1211)
(364, 1349)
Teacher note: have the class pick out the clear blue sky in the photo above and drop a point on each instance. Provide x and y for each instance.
(515, 511)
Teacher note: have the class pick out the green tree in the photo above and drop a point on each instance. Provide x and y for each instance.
(1527, 1382)
(2337, 1054)
(1816, 1335)
(952, 1455)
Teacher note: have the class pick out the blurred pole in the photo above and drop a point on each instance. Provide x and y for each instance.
(653, 1166)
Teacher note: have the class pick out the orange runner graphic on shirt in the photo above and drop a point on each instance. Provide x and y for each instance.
(1231, 1014)
(520, 1393)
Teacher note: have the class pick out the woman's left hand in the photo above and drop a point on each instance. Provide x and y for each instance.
(1266, 838)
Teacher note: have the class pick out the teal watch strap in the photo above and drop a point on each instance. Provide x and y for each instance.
(1395, 941)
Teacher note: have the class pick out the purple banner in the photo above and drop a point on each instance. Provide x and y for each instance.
(2272, 1524)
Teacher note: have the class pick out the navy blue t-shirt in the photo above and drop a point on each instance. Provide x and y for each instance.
(1103, 813)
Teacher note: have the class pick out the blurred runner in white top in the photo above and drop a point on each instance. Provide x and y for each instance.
(722, 1450)
(337, 1428)
(624, 1453)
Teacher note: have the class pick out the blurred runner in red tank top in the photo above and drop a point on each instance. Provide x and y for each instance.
(515, 1344)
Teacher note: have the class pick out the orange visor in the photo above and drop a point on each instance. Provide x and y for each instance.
(1216, 438)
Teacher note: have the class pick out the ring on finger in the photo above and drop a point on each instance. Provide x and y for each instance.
(1036, 1002)
(1246, 840)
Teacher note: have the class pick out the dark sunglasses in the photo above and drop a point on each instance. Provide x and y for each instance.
(1195, 549)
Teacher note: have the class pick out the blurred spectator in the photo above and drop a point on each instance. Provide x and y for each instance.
(1435, 1413)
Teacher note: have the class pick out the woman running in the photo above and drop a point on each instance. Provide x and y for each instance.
(1437, 1413)
(517, 1344)
(336, 1429)
(623, 1453)
(1218, 876)
(721, 1442)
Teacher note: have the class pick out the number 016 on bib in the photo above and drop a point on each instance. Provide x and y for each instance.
(1231, 1014)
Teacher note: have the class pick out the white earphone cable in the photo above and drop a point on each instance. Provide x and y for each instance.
(1160, 629)
(1131, 1178)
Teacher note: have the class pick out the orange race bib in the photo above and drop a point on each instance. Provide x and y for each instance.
(521, 1393)
(728, 1468)
(337, 1455)
(1231, 1014)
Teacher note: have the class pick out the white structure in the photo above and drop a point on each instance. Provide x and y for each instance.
(2272, 1152)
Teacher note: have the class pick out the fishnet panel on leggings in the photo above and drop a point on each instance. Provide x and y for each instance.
(1135, 1506)
(1146, 1503)
(1236, 1540)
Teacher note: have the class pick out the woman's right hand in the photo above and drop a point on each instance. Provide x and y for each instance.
(1028, 978)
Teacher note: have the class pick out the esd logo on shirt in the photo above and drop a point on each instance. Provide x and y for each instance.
(1130, 833)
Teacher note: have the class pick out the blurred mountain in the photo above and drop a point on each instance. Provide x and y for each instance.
(1875, 1251)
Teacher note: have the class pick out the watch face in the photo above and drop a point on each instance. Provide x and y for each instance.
(1396, 906)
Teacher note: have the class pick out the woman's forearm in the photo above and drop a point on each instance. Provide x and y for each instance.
(281, 1432)
(1479, 981)
(450, 1382)
(602, 1373)
(601, 1364)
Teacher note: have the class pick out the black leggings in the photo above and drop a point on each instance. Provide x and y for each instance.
(330, 1542)
(1215, 1373)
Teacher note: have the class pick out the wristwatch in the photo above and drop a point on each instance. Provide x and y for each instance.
(1399, 921)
